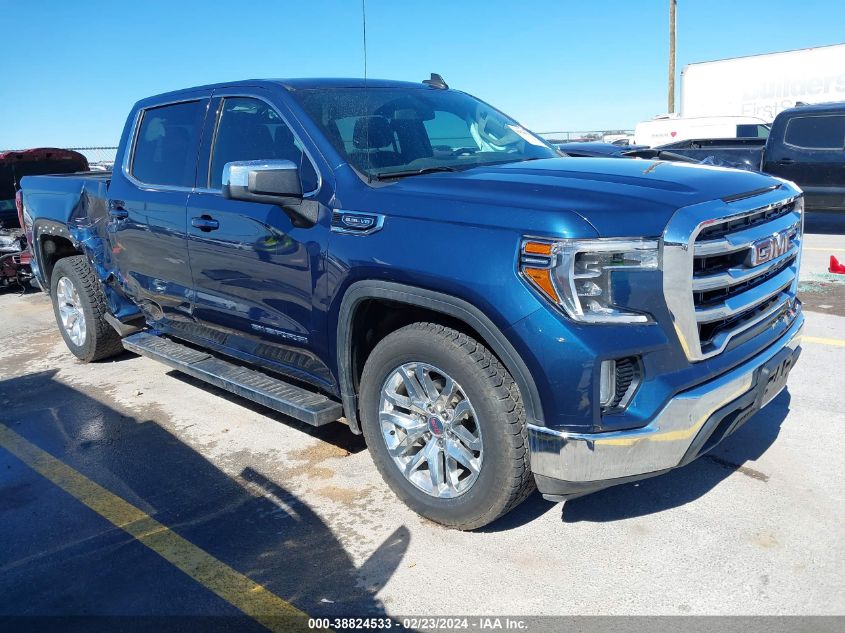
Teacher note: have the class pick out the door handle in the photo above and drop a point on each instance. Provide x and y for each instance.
(786, 161)
(117, 211)
(205, 223)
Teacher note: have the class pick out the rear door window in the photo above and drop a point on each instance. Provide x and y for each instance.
(166, 145)
(816, 132)
(249, 129)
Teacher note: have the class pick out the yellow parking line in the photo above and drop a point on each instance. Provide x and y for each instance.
(836, 342)
(235, 588)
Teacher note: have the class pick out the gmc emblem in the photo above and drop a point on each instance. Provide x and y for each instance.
(771, 247)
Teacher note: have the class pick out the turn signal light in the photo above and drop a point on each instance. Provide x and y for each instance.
(543, 278)
(537, 248)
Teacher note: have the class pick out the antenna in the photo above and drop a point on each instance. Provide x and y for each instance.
(436, 81)
(364, 17)
(366, 92)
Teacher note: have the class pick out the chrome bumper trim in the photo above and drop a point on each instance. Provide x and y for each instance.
(658, 446)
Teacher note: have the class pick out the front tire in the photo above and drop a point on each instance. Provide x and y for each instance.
(445, 425)
(80, 308)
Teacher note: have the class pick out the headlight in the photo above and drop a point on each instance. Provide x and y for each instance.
(577, 275)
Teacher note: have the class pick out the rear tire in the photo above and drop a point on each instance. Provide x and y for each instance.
(467, 461)
(80, 308)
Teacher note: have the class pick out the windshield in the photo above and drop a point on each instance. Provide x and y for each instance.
(392, 132)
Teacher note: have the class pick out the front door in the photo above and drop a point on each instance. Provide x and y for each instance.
(254, 272)
(147, 202)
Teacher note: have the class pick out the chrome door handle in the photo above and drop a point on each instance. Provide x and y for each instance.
(205, 223)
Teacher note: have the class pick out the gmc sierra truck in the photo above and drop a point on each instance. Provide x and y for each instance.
(405, 258)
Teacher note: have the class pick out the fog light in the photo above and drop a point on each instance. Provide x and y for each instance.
(607, 382)
(618, 382)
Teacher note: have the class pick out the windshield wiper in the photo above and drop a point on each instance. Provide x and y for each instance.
(386, 175)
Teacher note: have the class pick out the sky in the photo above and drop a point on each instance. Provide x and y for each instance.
(71, 70)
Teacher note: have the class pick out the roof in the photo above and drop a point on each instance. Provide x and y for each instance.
(305, 84)
(830, 106)
(769, 54)
(39, 153)
(294, 84)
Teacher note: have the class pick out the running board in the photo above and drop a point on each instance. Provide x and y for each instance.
(306, 406)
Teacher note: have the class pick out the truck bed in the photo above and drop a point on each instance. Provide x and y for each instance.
(741, 153)
(67, 198)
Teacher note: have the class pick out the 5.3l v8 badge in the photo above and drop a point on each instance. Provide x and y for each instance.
(356, 222)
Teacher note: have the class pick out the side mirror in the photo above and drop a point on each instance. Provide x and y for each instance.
(271, 181)
(261, 180)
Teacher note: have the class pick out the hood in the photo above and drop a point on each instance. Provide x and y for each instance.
(16, 164)
(618, 196)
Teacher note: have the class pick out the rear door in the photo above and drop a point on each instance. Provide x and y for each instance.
(810, 151)
(148, 196)
(255, 273)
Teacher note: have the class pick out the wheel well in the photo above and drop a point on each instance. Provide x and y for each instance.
(376, 318)
(372, 309)
(52, 249)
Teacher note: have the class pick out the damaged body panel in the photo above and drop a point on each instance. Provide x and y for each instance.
(73, 214)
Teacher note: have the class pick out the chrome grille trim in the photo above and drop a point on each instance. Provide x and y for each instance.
(742, 240)
(736, 275)
(720, 341)
(683, 288)
(747, 300)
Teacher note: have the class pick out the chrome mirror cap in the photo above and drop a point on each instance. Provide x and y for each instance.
(236, 173)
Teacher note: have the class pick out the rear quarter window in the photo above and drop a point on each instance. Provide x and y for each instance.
(752, 130)
(816, 132)
(165, 151)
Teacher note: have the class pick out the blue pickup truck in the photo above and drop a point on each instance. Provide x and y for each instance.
(405, 258)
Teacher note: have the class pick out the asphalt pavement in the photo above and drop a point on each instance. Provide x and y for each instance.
(127, 488)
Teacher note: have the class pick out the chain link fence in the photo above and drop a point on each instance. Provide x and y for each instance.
(98, 157)
(608, 136)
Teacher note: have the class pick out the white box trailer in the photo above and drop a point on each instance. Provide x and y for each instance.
(760, 86)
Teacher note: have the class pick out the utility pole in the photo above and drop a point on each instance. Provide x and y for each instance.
(672, 6)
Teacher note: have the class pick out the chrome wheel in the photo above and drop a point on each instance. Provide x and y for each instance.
(431, 430)
(70, 311)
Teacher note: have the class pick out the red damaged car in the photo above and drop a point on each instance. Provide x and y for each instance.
(14, 258)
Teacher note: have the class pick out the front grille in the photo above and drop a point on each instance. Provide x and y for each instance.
(743, 222)
(730, 273)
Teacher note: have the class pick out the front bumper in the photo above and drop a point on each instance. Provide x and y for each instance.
(567, 464)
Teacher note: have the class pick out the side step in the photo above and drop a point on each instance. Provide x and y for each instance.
(306, 406)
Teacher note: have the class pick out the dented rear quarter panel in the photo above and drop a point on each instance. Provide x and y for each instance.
(74, 207)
